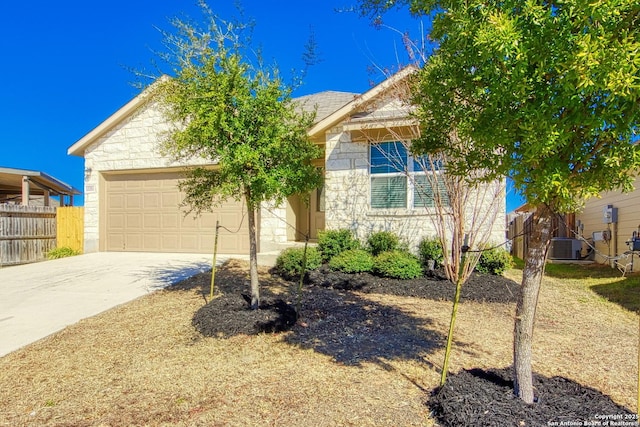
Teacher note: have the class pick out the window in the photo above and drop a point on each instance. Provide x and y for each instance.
(389, 163)
(424, 195)
(398, 180)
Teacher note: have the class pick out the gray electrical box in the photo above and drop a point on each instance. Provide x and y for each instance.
(610, 214)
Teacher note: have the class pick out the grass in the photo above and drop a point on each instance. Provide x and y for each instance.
(143, 363)
(604, 281)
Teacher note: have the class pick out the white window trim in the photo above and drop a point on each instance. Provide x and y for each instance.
(410, 209)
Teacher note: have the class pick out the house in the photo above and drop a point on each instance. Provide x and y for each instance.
(610, 221)
(33, 188)
(132, 199)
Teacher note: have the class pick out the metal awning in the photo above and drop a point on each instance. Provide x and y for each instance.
(22, 184)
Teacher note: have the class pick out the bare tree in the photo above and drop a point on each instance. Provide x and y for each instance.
(463, 210)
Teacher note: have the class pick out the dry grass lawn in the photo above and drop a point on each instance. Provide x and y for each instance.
(144, 364)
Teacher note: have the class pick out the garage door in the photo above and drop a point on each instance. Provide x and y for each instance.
(143, 213)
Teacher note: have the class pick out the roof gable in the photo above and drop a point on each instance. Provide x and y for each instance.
(348, 109)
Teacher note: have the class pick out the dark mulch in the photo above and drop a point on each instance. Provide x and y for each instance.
(479, 287)
(476, 398)
(229, 315)
(352, 329)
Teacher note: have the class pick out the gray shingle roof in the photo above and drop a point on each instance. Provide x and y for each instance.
(326, 102)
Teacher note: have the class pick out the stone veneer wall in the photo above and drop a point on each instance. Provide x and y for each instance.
(347, 197)
(134, 145)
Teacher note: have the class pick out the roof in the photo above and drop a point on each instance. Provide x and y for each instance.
(325, 103)
(11, 183)
(348, 109)
(331, 108)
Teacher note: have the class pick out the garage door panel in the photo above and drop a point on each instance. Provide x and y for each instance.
(143, 213)
(151, 200)
(170, 220)
(115, 201)
(170, 200)
(116, 220)
(152, 221)
(133, 221)
(134, 241)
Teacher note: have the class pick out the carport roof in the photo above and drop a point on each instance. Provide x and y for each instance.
(11, 183)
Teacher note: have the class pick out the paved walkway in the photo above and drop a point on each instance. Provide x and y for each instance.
(39, 299)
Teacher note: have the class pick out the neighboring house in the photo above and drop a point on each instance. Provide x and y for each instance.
(611, 232)
(132, 198)
(34, 188)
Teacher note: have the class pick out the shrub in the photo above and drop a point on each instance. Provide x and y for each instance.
(494, 261)
(382, 241)
(289, 262)
(333, 242)
(352, 261)
(430, 248)
(62, 252)
(397, 265)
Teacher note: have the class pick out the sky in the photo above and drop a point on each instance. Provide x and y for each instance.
(66, 66)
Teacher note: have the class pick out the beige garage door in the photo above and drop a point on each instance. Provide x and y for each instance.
(142, 213)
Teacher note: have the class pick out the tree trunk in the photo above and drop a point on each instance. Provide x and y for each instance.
(452, 323)
(527, 303)
(253, 255)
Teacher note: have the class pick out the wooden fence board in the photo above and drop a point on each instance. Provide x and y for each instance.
(27, 233)
(70, 228)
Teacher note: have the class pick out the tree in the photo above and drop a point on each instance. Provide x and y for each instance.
(463, 209)
(547, 94)
(238, 115)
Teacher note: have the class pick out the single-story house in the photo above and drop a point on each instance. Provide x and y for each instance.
(132, 198)
(34, 188)
(610, 221)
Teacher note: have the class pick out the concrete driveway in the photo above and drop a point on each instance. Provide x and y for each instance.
(39, 299)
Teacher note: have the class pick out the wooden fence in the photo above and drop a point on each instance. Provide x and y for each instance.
(27, 233)
(70, 228)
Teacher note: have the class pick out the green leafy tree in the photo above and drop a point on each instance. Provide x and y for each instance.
(545, 93)
(234, 112)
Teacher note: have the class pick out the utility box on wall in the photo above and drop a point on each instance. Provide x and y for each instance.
(610, 214)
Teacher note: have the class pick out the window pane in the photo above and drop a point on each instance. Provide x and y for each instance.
(388, 157)
(388, 192)
(425, 163)
(423, 194)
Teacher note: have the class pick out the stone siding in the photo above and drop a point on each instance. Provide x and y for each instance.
(134, 144)
(347, 183)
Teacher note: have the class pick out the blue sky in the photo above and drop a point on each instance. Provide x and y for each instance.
(65, 65)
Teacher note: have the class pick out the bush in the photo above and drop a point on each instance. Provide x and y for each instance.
(352, 261)
(397, 265)
(333, 242)
(289, 262)
(62, 252)
(430, 248)
(494, 261)
(382, 241)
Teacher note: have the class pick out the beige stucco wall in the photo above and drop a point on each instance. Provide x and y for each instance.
(133, 145)
(347, 184)
(591, 218)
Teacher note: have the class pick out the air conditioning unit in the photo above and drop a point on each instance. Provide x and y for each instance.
(565, 248)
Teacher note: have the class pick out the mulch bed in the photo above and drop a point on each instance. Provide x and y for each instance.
(477, 398)
(342, 324)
